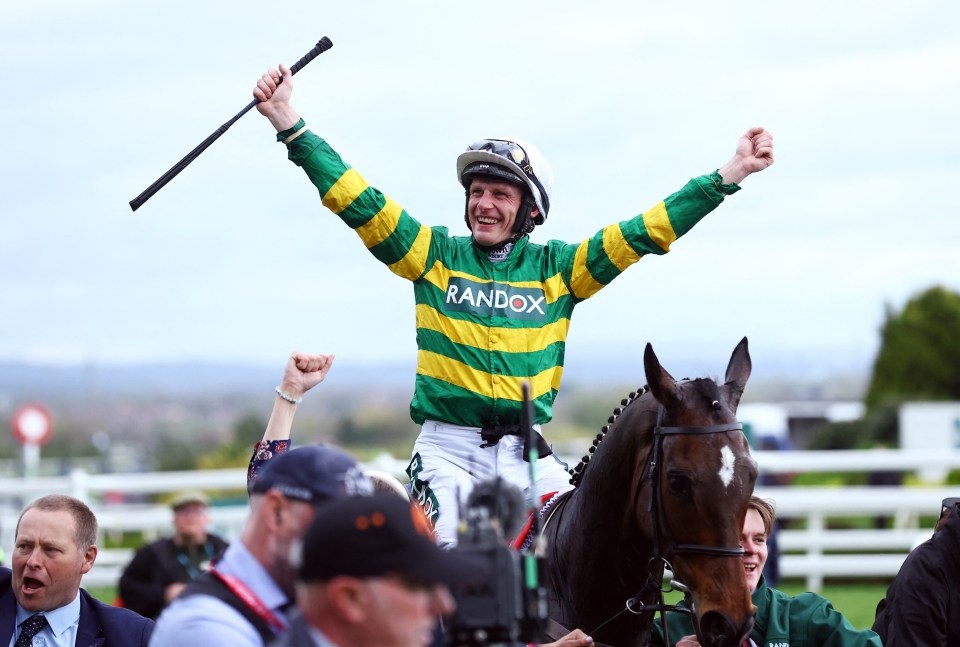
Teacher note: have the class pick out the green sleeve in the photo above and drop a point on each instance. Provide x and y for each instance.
(320, 162)
(391, 235)
(695, 200)
(827, 627)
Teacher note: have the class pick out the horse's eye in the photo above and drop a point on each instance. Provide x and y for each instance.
(679, 483)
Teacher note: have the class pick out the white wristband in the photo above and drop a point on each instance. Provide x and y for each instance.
(288, 398)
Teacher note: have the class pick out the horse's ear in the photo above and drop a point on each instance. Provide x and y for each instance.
(662, 385)
(738, 372)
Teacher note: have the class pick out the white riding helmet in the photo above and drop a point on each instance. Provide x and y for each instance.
(513, 160)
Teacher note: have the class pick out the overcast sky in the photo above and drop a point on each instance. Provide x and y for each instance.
(237, 260)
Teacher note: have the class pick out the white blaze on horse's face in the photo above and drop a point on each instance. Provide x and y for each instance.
(727, 463)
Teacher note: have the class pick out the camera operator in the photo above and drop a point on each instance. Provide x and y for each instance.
(503, 610)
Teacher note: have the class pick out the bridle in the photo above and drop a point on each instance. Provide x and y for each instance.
(655, 506)
(657, 513)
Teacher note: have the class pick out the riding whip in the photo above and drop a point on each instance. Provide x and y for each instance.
(322, 45)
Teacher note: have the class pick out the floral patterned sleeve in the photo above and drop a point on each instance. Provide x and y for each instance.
(263, 451)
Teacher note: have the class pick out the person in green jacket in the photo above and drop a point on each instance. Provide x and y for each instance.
(492, 309)
(805, 620)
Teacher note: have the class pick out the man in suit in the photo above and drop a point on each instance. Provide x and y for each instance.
(41, 601)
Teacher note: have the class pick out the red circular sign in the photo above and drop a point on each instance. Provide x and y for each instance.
(32, 425)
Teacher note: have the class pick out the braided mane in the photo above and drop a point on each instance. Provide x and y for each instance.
(576, 474)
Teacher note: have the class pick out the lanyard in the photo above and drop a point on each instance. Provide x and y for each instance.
(250, 599)
(184, 558)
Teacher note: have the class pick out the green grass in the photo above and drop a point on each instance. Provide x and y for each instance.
(106, 594)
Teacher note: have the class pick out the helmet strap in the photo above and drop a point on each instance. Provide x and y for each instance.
(523, 224)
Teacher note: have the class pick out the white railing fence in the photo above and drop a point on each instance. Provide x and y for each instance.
(814, 553)
(818, 552)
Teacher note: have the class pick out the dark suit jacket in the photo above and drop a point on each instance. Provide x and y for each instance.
(101, 625)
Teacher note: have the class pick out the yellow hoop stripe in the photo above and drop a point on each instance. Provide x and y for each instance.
(528, 340)
(657, 223)
(379, 228)
(505, 387)
(582, 283)
(414, 262)
(344, 191)
(617, 248)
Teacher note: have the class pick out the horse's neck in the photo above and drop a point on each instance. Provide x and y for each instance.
(601, 550)
(610, 483)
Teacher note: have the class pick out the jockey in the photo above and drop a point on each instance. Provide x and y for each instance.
(492, 309)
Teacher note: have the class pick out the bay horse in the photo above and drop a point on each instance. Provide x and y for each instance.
(666, 482)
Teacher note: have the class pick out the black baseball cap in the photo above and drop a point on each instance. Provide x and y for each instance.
(379, 535)
(313, 474)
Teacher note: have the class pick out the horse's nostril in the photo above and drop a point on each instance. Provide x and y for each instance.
(718, 630)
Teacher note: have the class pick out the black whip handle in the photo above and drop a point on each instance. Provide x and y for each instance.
(322, 45)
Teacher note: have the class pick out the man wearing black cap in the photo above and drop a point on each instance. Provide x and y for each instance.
(922, 605)
(243, 600)
(161, 569)
(372, 576)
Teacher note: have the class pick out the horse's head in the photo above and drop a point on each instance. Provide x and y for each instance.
(696, 498)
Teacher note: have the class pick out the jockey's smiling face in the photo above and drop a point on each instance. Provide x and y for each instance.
(492, 209)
